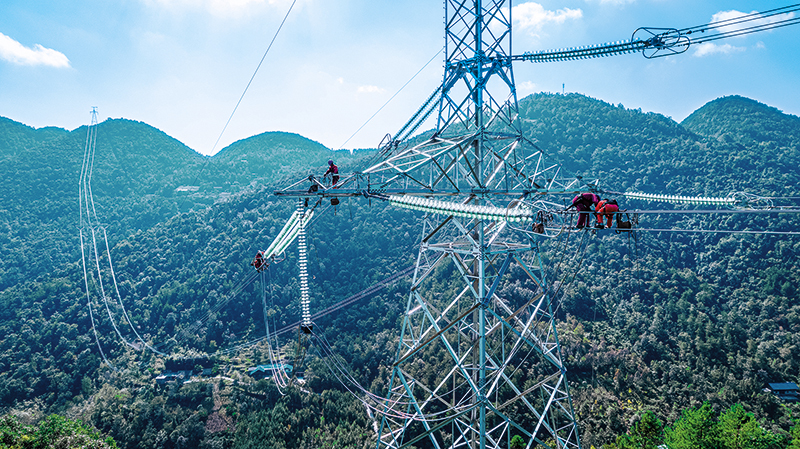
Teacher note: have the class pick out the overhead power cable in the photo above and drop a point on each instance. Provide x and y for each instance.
(775, 210)
(342, 373)
(191, 329)
(254, 75)
(785, 10)
(392, 98)
(748, 30)
(280, 381)
(119, 297)
(720, 231)
(659, 42)
(89, 303)
(202, 169)
(344, 303)
(103, 292)
(89, 219)
(85, 200)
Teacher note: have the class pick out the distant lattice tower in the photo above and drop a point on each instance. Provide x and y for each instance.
(478, 362)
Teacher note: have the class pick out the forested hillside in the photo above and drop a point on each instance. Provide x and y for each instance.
(661, 322)
(137, 170)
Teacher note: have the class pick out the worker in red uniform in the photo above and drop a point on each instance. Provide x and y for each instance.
(334, 171)
(259, 261)
(584, 203)
(606, 208)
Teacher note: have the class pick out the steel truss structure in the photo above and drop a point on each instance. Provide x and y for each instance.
(476, 363)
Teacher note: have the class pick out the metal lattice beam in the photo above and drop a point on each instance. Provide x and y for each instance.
(475, 365)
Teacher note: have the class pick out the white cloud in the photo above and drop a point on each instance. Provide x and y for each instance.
(615, 2)
(733, 14)
(370, 90)
(708, 48)
(533, 16)
(723, 17)
(16, 53)
(526, 87)
(219, 7)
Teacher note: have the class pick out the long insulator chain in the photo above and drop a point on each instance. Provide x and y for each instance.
(423, 111)
(587, 52)
(303, 260)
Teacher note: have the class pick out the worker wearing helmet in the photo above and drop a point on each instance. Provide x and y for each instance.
(259, 262)
(606, 208)
(334, 171)
(584, 203)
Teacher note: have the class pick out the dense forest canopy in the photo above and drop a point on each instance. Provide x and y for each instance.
(687, 326)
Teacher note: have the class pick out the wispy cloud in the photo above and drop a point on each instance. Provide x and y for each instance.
(219, 7)
(708, 48)
(532, 16)
(16, 53)
(370, 90)
(722, 16)
(526, 87)
(615, 2)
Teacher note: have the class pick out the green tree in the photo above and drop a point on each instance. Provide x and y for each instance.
(740, 430)
(12, 431)
(695, 429)
(795, 436)
(647, 433)
(517, 442)
(53, 432)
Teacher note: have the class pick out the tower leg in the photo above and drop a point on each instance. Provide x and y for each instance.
(478, 360)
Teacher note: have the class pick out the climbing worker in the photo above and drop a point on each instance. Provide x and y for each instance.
(606, 208)
(583, 203)
(334, 171)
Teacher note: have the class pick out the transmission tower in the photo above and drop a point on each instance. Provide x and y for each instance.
(478, 361)
(476, 364)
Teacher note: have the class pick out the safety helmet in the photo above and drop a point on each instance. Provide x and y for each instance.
(330, 161)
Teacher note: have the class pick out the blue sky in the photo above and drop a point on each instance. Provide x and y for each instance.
(181, 65)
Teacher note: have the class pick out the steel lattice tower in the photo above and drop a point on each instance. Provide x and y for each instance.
(478, 362)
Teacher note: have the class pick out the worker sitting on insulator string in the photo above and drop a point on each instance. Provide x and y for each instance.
(584, 203)
(259, 263)
(334, 172)
(606, 208)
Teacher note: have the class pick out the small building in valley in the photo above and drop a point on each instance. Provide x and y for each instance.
(170, 376)
(786, 391)
(267, 371)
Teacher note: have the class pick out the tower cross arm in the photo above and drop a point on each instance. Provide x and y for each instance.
(655, 43)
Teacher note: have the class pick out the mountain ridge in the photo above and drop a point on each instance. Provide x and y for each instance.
(708, 120)
(648, 321)
(697, 122)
